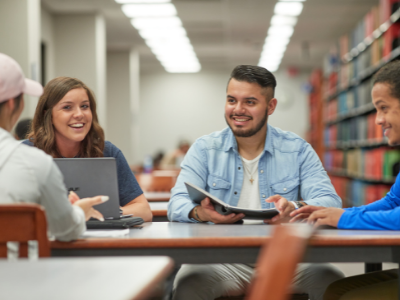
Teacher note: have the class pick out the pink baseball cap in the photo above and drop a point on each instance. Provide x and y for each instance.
(13, 81)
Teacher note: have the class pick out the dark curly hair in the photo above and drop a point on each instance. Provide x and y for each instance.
(42, 130)
(390, 74)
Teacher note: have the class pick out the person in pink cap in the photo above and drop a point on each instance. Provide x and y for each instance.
(28, 174)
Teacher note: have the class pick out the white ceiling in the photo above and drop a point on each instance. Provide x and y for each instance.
(225, 33)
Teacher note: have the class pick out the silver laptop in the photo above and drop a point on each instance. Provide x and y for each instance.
(89, 177)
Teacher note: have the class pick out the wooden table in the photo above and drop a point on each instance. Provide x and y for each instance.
(207, 243)
(159, 211)
(119, 278)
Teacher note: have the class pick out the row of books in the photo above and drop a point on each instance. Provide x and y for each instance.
(380, 48)
(356, 192)
(358, 96)
(354, 129)
(341, 75)
(380, 164)
(372, 20)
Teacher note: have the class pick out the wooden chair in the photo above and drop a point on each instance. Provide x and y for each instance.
(151, 183)
(23, 231)
(277, 262)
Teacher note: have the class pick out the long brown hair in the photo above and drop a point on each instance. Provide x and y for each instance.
(42, 131)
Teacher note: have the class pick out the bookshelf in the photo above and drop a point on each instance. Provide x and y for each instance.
(361, 165)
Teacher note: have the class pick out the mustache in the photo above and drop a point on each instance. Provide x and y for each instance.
(236, 115)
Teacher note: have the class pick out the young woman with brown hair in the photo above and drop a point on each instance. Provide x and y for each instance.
(66, 125)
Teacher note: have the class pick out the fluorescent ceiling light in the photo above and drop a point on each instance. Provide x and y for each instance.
(283, 20)
(281, 31)
(148, 23)
(274, 52)
(277, 40)
(142, 1)
(269, 47)
(288, 8)
(149, 10)
(292, 0)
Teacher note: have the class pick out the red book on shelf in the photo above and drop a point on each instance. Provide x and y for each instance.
(378, 132)
(391, 35)
(386, 9)
(371, 126)
(371, 192)
(383, 189)
(379, 156)
(369, 23)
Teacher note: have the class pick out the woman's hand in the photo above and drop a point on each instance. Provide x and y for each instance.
(87, 204)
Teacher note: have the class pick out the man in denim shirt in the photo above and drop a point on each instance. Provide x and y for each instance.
(252, 165)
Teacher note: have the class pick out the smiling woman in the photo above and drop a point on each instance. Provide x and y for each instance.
(66, 125)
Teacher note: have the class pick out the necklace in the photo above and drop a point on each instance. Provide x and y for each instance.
(248, 172)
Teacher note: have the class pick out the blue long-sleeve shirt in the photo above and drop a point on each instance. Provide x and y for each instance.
(380, 215)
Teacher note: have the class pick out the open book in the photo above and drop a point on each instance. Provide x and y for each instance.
(197, 195)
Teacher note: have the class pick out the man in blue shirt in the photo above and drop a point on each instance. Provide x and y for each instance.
(252, 165)
(380, 215)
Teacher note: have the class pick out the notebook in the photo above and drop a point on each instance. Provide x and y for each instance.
(197, 195)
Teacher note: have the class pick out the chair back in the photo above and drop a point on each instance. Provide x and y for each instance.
(23, 231)
(277, 261)
(151, 183)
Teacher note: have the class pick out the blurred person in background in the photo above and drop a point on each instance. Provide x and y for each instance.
(175, 158)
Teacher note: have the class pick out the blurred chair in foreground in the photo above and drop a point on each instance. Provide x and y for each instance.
(23, 231)
(276, 264)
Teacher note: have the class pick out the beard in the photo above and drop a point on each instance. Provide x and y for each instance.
(249, 132)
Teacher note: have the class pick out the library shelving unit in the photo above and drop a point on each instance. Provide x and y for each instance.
(361, 165)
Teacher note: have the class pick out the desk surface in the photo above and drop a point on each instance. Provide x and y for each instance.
(207, 243)
(83, 278)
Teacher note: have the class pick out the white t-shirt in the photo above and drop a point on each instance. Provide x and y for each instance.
(250, 194)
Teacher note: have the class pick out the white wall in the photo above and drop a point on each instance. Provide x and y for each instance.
(47, 37)
(80, 51)
(292, 111)
(20, 39)
(176, 106)
(119, 117)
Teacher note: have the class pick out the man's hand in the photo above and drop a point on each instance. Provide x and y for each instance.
(86, 205)
(328, 216)
(207, 213)
(284, 206)
(302, 214)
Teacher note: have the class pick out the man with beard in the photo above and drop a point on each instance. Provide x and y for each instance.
(251, 165)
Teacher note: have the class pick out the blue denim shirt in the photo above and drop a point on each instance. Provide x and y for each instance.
(289, 167)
